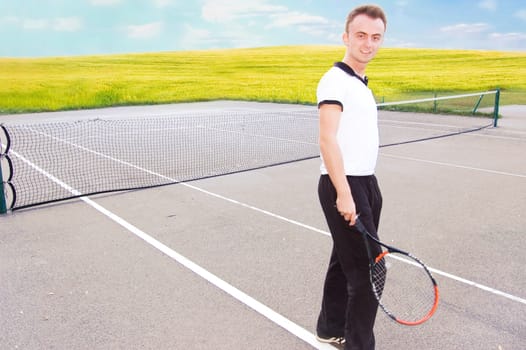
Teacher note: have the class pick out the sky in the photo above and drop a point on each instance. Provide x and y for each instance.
(42, 28)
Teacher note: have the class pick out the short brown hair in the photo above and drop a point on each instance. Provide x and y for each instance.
(372, 11)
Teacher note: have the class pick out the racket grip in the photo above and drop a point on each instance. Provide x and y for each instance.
(359, 225)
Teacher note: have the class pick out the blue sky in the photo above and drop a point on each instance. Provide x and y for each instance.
(34, 28)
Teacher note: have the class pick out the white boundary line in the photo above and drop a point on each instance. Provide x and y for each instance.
(422, 126)
(279, 217)
(244, 298)
(496, 172)
(297, 223)
(239, 295)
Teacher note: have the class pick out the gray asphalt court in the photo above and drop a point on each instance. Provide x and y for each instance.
(238, 261)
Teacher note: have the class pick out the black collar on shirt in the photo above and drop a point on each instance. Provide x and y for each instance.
(343, 66)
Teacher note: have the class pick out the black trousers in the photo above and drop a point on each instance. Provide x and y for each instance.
(349, 307)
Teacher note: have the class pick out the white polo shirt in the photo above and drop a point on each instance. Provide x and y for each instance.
(358, 129)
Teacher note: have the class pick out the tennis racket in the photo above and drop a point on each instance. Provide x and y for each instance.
(405, 289)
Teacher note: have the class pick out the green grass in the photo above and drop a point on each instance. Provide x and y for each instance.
(276, 74)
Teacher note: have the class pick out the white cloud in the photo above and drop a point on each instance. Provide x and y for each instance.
(480, 33)
(521, 14)
(228, 10)
(490, 5)
(60, 24)
(329, 32)
(311, 25)
(395, 42)
(35, 23)
(248, 13)
(464, 28)
(10, 20)
(515, 41)
(67, 24)
(287, 19)
(194, 38)
(144, 31)
(509, 37)
(163, 3)
(105, 2)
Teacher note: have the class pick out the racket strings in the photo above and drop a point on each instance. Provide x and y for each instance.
(379, 277)
(404, 289)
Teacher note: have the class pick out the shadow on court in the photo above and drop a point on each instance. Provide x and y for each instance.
(238, 261)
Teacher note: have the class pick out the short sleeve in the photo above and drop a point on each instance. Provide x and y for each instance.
(330, 90)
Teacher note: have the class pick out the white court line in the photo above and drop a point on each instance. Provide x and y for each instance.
(244, 298)
(418, 125)
(422, 126)
(453, 165)
(445, 274)
(314, 229)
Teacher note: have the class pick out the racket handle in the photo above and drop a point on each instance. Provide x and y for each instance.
(359, 225)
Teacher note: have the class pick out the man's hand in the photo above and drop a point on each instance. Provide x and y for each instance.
(346, 207)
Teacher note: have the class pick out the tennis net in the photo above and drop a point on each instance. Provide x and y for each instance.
(48, 162)
(427, 119)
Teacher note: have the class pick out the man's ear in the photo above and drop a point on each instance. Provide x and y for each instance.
(345, 38)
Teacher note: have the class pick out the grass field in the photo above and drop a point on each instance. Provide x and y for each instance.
(276, 74)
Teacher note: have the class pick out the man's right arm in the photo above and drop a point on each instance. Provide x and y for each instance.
(330, 115)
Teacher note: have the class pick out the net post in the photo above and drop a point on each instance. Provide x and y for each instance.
(3, 205)
(477, 105)
(496, 108)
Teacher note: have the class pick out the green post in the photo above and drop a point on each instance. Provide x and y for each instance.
(3, 206)
(435, 104)
(477, 105)
(496, 108)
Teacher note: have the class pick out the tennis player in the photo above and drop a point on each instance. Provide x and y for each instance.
(347, 186)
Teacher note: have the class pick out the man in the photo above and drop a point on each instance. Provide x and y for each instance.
(347, 186)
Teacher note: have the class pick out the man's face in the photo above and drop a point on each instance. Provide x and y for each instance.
(363, 38)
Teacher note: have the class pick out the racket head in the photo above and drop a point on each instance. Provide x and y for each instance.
(405, 289)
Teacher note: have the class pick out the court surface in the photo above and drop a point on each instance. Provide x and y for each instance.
(238, 261)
